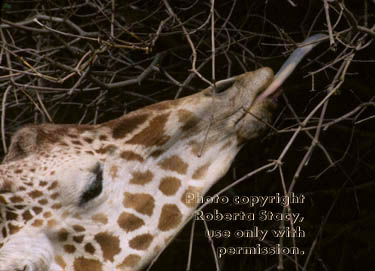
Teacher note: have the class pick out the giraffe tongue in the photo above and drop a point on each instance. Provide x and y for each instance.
(288, 67)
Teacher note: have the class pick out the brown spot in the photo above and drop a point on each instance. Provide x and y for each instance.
(129, 222)
(13, 228)
(131, 156)
(100, 218)
(142, 203)
(16, 199)
(43, 183)
(169, 185)
(89, 248)
(88, 140)
(200, 172)
(186, 198)
(37, 223)
(141, 178)
(170, 217)
(54, 195)
(78, 228)
(53, 185)
(11, 216)
(27, 215)
(83, 264)
(106, 149)
(157, 153)
(43, 201)
(110, 245)
(37, 210)
(4, 232)
(60, 261)
(78, 239)
(130, 261)
(153, 134)
(47, 214)
(69, 249)
(113, 171)
(51, 223)
(3, 200)
(6, 185)
(77, 142)
(188, 119)
(174, 163)
(141, 242)
(56, 206)
(127, 124)
(103, 137)
(62, 235)
(72, 136)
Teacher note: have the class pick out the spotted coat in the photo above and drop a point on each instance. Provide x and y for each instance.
(111, 196)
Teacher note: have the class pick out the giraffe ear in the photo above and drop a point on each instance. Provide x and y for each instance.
(23, 142)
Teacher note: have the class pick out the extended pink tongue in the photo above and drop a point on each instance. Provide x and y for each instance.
(288, 67)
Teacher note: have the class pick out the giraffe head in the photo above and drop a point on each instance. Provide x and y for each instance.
(110, 196)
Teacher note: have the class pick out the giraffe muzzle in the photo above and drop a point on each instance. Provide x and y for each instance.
(27, 252)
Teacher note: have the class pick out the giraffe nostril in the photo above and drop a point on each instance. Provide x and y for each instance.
(220, 87)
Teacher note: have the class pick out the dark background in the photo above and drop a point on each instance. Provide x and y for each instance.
(89, 62)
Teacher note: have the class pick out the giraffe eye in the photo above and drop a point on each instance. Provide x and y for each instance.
(94, 188)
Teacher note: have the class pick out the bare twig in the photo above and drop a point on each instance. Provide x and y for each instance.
(3, 110)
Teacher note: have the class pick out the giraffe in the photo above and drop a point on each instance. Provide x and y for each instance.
(112, 196)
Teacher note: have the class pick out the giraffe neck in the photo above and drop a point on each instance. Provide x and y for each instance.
(164, 179)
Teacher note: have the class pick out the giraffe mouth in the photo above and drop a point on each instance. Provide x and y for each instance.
(21, 253)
